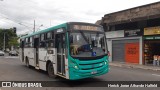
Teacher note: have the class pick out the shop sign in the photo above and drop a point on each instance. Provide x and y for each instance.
(152, 37)
(115, 34)
(130, 33)
(152, 30)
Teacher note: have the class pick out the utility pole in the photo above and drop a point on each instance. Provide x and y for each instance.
(34, 27)
(4, 41)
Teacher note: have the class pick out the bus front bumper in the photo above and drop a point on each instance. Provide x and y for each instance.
(80, 74)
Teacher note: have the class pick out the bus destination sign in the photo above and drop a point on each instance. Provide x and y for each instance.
(87, 27)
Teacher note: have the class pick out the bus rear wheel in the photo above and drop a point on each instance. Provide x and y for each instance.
(50, 70)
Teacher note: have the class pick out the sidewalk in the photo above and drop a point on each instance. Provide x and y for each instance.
(130, 65)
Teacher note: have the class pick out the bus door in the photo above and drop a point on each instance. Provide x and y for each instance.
(36, 46)
(60, 45)
(22, 53)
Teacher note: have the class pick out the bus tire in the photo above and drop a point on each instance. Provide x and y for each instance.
(27, 63)
(50, 70)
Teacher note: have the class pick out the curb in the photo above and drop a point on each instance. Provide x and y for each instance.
(131, 66)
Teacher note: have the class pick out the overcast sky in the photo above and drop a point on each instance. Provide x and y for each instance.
(22, 13)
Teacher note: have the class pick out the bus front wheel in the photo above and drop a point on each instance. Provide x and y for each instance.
(50, 70)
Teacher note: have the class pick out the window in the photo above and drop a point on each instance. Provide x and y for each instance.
(42, 37)
(50, 43)
(49, 35)
(53, 35)
(42, 44)
(31, 39)
(28, 39)
(30, 42)
(26, 42)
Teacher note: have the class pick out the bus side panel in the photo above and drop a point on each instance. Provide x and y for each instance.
(44, 56)
(29, 53)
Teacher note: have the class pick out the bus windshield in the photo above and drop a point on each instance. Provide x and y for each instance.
(87, 44)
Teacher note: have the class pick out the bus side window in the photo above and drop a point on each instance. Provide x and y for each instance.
(26, 42)
(42, 44)
(48, 35)
(50, 43)
(42, 37)
(52, 35)
(31, 42)
(42, 41)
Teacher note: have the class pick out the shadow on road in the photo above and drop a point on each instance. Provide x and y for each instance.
(61, 82)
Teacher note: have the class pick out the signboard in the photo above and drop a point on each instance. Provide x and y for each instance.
(60, 30)
(87, 27)
(132, 52)
(115, 34)
(152, 30)
(130, 33)
(151, 37)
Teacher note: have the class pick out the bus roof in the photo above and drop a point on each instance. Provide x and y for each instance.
(46, 30)
(54, 28)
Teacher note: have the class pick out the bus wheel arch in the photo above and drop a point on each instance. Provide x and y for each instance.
(50, 69)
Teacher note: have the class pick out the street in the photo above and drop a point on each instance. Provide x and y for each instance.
(11, 69)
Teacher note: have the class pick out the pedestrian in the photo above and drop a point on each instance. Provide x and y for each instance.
(155, 58)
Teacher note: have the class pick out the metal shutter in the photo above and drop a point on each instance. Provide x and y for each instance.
(118, 49)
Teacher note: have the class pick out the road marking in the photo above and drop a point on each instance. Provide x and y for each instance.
(156, 75)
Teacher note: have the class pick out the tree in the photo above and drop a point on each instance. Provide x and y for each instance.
(10, 38)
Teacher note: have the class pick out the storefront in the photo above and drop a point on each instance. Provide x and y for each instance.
(125, 46)
(151, 45)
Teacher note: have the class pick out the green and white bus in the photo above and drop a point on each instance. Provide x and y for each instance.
(72, 50)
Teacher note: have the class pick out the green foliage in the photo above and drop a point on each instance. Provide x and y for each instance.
(10, 38)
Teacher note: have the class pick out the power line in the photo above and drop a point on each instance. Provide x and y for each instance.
(16, 22)
(21, 23)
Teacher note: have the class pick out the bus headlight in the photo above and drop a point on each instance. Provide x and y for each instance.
(76, 67)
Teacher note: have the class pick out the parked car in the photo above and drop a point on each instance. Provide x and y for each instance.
(13, 53)
(1, 53)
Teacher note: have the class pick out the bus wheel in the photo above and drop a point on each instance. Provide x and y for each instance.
(50, 70)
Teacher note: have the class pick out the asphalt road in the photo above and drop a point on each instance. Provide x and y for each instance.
(11, 69)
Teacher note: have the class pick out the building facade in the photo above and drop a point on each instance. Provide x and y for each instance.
(133, 35)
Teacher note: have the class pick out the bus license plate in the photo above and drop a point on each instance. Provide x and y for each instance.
(94, 72)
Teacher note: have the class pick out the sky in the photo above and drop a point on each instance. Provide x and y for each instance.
(46, 13)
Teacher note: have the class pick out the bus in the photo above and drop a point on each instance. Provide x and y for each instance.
(73, 50)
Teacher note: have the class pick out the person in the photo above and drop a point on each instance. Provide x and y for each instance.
(155, 58)
(158, 61)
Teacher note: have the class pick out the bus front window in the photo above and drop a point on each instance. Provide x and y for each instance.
(87, 44)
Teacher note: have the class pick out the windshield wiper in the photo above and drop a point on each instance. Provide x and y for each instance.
(85, 38)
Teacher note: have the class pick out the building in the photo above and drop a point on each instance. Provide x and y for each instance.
(133, 35)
